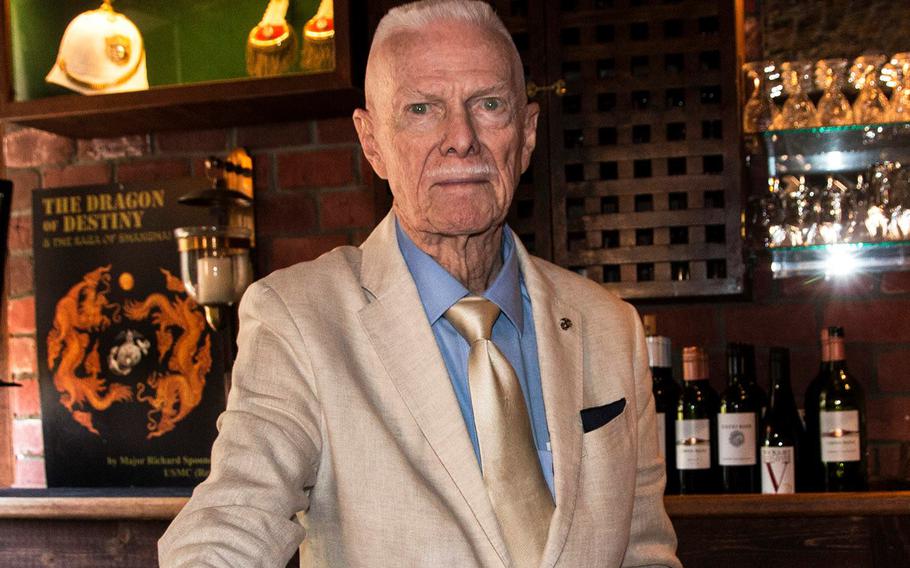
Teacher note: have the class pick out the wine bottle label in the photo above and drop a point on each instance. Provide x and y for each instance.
(839, 435)
(661, 433)
(736, 438)
(778, 470)
(693, 444)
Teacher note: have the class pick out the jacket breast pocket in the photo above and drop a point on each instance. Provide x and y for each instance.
(597, 416)
(611, 435)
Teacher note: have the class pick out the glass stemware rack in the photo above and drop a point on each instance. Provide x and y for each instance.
(837, 199)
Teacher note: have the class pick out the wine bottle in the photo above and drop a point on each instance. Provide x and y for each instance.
(738, 418)
(841, 423)
(812, 455)
(782, 431)
(666, 396)
(696, 417)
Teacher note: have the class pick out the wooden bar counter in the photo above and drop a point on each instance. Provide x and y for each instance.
(830, 530)
(76, 528)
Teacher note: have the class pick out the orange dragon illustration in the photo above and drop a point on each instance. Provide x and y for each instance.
(179, 391)
(80, 313)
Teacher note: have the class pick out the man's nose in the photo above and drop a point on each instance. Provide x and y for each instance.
(460, 136)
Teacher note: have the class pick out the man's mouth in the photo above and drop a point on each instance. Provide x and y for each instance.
(463, 175)
(462, 181)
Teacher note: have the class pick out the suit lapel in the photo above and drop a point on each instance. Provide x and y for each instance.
(404, 341)
(559, 352)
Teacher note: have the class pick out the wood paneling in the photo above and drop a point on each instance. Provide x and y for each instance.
(824, 530)
(822, 542)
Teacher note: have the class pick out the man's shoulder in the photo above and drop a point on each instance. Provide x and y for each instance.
(576, 289)
(337, 268)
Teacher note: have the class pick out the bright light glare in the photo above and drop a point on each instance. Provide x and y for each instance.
(835, 160)
(840, 262)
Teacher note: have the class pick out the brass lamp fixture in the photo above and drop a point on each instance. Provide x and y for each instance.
(215, 263)
(215, 266)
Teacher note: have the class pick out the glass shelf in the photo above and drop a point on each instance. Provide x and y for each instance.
(834, 149)
(840, 259)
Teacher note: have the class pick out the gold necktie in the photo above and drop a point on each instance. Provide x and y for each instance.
(511, 468)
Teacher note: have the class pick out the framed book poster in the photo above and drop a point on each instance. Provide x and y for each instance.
(131, 376)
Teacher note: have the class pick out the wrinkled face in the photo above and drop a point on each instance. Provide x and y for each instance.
(448, 127)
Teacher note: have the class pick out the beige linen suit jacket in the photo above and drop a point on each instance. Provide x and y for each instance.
(342, 417)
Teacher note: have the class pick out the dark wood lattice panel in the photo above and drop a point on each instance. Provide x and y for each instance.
(644, 147)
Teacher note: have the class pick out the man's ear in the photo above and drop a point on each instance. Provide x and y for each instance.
(363, 122)
(532, 112)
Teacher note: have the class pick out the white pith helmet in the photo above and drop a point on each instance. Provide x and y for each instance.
(101, 52)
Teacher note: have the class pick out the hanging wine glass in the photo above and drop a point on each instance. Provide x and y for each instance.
(878, 215)
(778, 229)
(856, 204)
(831, 215)
(810, 212)
(798, 111)
(758, 110)
(871, 105)
(899, 106)
(793, 205)
(833, 108)
(769, 216)
(899, 202)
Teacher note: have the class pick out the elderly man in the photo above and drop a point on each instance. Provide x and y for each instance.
(436, 397)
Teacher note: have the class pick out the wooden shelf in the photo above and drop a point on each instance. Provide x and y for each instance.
(200, 105)
(678, 506)
(798, 505)
(96, 508)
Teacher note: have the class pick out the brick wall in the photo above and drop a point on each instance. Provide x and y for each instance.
(313, 194)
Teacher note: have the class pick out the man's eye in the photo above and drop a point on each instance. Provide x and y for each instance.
(419, 108)
(491, 104)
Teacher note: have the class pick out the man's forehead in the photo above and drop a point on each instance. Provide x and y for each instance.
(431, 54)
(443, 36)
(441, 86)
(433, 58)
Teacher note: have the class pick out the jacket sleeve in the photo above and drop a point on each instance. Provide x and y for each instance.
(652, 541)
(265, 456)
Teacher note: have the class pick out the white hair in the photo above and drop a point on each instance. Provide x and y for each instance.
(415, 16)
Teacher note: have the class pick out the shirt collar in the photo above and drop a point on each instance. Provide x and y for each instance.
(439, 290)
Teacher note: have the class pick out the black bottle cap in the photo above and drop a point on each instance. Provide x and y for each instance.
(835, 331)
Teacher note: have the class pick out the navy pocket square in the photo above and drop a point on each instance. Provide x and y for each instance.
(597, 416)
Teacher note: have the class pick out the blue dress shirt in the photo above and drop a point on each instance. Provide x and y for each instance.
(513, 333)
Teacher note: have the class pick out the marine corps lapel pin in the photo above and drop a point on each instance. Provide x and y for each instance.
(565, 323)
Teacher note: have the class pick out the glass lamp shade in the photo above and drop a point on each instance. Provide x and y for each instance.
(215, 263)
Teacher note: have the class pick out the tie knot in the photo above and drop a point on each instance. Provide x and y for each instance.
(473, 317)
